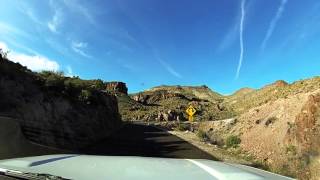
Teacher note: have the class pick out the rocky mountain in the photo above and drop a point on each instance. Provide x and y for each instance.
(168, 103)
(55, 110)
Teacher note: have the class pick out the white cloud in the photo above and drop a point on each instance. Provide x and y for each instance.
(273, 24)
(4, 46)
(78, 48)
(33, 62)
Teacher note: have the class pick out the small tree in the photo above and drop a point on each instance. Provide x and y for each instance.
(4, 54)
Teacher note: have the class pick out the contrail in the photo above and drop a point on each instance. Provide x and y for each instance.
(241, 38)
(273, 24)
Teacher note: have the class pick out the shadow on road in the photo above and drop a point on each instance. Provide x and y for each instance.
(131, 140)
(147, 141)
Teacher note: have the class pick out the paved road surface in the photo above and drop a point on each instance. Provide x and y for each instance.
(140, 140)
(131, 140)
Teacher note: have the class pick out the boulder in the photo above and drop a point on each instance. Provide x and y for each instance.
(170, 115)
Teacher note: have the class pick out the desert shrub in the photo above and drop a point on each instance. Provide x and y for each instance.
(291, 125)
(232, 141)
(97, 84)
(182, 127)
(270, 120)
(202, 135)
(46, 73)
(291, 149)
(76, 82)
(85, 95)
(53, 80)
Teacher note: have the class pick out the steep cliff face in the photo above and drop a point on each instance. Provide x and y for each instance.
(52, 117)
(117, 87)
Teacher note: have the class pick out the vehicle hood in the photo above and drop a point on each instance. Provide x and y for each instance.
(127, 167)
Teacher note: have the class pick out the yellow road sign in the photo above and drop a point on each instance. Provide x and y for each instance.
(191, 111)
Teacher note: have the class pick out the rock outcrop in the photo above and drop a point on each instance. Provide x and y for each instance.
(304, 136)
(52, 117)
(117, 87)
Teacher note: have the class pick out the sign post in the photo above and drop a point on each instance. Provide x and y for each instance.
(190, 111)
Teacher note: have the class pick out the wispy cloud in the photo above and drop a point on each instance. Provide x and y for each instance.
(79, 47)
(33, 62)
(241, 39)
(273, 24)
(127, 65)
(168, 67)
(77, 7)
(7, 29)
(31, 15)
(55, 21)
(229, 38)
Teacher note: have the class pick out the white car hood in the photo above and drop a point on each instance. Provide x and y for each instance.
(127, 167)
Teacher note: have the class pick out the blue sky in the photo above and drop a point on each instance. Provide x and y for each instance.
(223, 44)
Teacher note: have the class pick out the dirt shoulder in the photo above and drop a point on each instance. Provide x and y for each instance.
(226, 155)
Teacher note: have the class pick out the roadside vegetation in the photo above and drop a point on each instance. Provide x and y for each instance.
(77, 89)
(232, 141)
(56, 83)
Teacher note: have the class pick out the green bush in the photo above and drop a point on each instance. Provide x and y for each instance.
(202, 135)
(232, 141)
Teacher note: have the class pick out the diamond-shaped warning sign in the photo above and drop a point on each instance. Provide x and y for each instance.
(191, 110)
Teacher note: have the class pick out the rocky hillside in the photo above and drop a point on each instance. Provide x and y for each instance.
(55, 110)
(278, 124)
(242, 102)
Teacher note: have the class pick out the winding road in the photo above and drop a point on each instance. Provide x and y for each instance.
(149, 141)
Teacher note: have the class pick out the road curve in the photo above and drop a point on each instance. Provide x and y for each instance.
(147, 141)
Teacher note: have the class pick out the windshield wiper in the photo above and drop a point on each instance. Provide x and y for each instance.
(29, 175)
